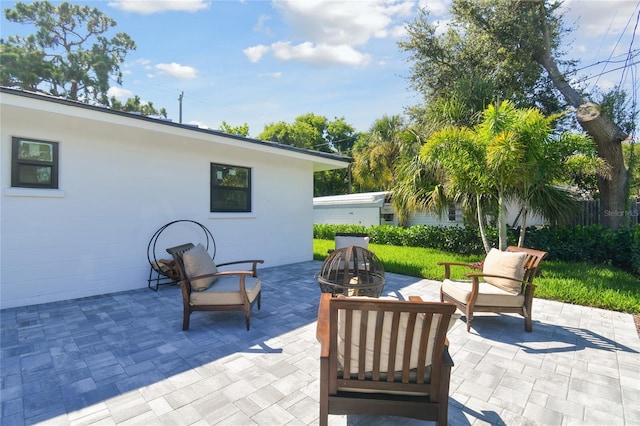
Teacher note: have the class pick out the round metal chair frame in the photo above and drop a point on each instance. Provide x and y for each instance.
(162, 278)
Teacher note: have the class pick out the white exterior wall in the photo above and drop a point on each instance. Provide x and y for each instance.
(370, 209)
(122, 178)
(431, 219)
(347, 215)
(513, 220)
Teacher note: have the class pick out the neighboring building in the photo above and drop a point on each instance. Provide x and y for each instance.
(84, 189)
(374, 208)
(371, 209)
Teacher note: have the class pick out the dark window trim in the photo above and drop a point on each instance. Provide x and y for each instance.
(17, 163)
(246, 191)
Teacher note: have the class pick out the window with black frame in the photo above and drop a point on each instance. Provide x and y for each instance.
(34, 163)
(230, 189)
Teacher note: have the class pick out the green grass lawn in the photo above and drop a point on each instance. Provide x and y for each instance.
(600, 286)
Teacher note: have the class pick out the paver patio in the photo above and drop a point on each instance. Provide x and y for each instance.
(123, 359)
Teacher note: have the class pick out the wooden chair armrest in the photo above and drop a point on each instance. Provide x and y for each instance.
(322, 328)
(218, 274)
(235, 262)
(448, 265)
(447, 360)
(453, 264)
(525, 283)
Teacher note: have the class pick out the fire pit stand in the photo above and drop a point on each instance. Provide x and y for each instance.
(352, 271)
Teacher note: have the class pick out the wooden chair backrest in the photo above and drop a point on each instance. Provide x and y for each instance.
(426, 325)
(176, 253)
(532, 263)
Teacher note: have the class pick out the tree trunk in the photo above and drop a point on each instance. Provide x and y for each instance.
(483, 233)
(502, 222)
(606, 134)
(613, 188)
(523, 227)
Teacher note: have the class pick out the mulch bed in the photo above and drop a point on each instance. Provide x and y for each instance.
(636, 319)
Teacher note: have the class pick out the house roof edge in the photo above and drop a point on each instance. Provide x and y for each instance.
(161, 122)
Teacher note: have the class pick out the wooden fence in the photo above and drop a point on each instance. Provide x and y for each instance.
(589, 213)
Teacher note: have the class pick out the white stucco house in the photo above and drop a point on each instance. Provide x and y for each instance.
(373, 209)
(84, 189)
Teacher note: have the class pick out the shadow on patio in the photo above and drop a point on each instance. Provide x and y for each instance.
(123, 358)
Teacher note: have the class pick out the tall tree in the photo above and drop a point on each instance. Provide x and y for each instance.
(242, 130)
(515, 43)
(316, 132)
(135, 104)
(59, 59)
(305, 132)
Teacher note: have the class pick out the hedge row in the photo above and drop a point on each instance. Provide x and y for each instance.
(595, 243)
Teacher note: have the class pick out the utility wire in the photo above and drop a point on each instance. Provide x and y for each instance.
(633, 36)
(616, 45)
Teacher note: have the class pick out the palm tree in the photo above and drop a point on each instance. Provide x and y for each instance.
(378, 153)
(507, 157)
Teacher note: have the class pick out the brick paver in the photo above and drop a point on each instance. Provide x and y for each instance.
(123, 359)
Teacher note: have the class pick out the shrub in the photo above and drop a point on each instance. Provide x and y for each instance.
(595, 244)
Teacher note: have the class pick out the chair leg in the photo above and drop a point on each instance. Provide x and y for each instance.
(443, 413)
(248, 322)
(528, 325)
(324, 392)
(469, 316)
(443, 409)
(185, 320)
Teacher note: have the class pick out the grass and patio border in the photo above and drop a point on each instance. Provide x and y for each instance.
(580, 283)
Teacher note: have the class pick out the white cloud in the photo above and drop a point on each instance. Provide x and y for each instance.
(144, 62)
(596, 18)
(261, 27)
(119, 93)
(147, 7)
(328, 32)
(606, 85)
(323, 54)
(344, 22)
(442, 26)
(276, 74)
(435, 7)
(255, 53)
(176, 70)
(199, 124)
(398, 31)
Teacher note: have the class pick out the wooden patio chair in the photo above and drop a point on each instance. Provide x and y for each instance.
(504, 285)
(384, 357)
(205, 288)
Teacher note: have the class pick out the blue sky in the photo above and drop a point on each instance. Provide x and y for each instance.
(260, 62)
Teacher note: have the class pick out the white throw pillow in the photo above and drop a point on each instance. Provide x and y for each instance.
(198, 262)
(506, 264)
(343, 241)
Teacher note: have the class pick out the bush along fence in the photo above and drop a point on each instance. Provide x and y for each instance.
(595, 243)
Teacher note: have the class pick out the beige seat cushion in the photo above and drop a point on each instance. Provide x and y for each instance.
(507, 264)
(198, 262)
(489, 295)
(386, 337)
(226, 291)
